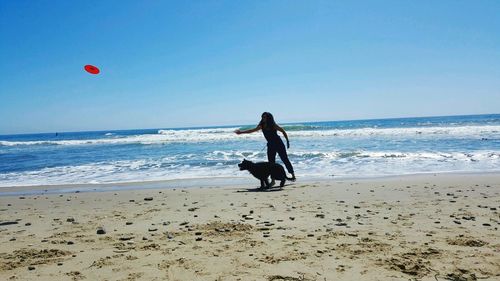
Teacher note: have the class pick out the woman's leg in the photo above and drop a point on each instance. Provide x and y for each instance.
(284, 157)
(271, 158)
(271, 154)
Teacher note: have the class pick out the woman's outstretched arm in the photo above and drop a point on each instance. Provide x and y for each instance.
(248, 131)
(284, 134)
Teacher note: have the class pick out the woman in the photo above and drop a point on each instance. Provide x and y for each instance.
(274, 143)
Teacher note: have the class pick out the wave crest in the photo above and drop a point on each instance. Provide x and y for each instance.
(486, 132)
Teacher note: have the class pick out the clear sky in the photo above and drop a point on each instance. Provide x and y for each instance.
(197, 63)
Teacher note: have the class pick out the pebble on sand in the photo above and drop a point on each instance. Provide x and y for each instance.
(126, 238)
(8, 223)
(101, 230)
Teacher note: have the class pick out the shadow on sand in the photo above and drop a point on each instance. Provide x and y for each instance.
(258, 189)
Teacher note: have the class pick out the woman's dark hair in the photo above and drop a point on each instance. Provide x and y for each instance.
(267, 123)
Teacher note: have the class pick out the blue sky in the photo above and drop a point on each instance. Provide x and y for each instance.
(197, 63)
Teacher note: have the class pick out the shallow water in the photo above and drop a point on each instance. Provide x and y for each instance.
(344, 149)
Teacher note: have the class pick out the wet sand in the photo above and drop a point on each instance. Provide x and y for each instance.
(425, 227)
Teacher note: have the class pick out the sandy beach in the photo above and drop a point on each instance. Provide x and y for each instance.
(423, 227)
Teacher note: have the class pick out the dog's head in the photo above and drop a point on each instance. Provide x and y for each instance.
(245, 164)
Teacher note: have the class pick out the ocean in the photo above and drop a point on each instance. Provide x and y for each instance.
(319, 150)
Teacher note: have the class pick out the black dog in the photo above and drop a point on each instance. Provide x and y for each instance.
(263, 170)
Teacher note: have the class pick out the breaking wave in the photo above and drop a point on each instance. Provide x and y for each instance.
(300, 131)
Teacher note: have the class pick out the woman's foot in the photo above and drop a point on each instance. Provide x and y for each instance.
(293, 177)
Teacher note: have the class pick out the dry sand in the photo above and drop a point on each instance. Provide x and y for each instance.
(427, 227)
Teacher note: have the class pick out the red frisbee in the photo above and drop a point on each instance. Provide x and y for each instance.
(91, 69)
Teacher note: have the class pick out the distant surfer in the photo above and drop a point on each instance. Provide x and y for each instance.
(274, 143)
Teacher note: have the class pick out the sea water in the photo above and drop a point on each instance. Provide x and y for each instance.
(330, 149)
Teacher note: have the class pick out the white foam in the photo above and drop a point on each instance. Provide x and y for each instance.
(227, 134)
(306, 163)
(114, 172)
(459, 131)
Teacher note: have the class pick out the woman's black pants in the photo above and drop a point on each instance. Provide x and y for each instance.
(279, 148)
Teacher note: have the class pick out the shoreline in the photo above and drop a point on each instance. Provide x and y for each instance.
(199, 183)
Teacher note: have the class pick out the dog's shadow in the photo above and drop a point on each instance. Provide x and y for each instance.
(259, 189)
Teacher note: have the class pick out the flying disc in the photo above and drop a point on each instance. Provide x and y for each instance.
(91, 69)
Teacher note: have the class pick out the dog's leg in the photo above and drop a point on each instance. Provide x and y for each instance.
(262, 183)
(268, 185)
(272, 181)
(282, 183)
